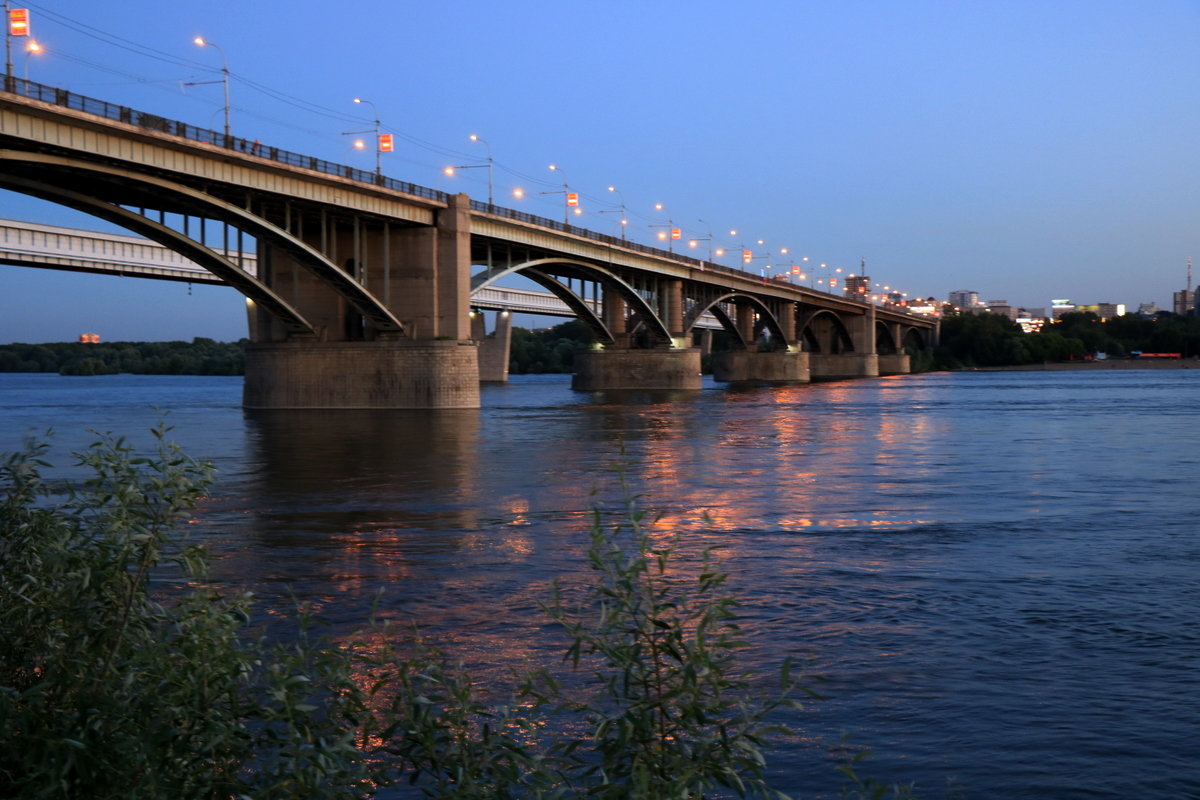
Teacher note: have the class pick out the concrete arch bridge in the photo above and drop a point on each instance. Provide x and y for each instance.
(363, 288)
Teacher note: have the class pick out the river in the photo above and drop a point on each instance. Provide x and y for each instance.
(996, 574)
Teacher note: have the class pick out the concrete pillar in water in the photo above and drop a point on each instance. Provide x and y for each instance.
(780, 366)
(494, 350)
(622, 368)
(346, 365)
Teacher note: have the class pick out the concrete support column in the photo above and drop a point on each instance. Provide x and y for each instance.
(862, 333)
(671, 294)
(779, 366)
(843, 365)
(898, 364)
(706, 339)
(745, 323)
(494, 350)
(787, 321)
(307, 293)
(454, 270)
(597, 370)
(613, 315)
(386, 373)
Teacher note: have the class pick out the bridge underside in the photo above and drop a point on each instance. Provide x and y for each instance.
(360, 295)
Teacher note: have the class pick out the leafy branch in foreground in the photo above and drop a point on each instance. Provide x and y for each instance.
(123, 675)
(669, 714)
(109, 692)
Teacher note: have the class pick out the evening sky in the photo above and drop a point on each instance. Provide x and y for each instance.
(1025, 149)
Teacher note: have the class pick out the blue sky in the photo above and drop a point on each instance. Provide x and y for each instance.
(1025, 149)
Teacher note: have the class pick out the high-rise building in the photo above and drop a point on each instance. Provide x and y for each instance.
(1183, 301)
(858, 286)
(964, 299)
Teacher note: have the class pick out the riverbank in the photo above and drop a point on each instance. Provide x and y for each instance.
(1112, 363)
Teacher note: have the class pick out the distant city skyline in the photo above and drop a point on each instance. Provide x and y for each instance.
(1030, 151)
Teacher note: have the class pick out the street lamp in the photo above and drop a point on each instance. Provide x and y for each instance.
(378, 142)
(33, 48)
(695, 241)
(624, 219)
(202, 42)
(668, 231)
(570, 200)
(450, 171)
(477, 138)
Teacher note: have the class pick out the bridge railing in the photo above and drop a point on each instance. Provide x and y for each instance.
(118, 113)
(142, 119)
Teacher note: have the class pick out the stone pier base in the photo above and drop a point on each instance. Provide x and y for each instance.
(843, 365)
(379, 374)
(597, 370)
(494, 350)
(896, 364)
(743, 365)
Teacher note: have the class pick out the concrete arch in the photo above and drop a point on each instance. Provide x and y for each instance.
(916, 338)
(630, 295)
(770, 321)
(825, 321)
(203, 205)
(886, 338)
(291, 319)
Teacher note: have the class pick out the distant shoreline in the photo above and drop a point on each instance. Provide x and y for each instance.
(1114, 363)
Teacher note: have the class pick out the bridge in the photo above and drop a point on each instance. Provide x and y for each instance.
(31, 244)
(361, 288)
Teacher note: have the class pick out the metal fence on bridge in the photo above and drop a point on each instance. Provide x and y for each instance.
(125, 114)
(142, 119)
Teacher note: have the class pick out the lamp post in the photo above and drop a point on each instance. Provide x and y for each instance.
(696, 240)
(450, 171)
(378, 146)
(490, 162)
(9, 78)
(566, 193)
(668, 231)
(202, 42)
(33, 48)
(624, 221)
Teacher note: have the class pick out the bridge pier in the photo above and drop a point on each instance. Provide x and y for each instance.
(493, 350)
(843, 365)
(621, 368)
(745, 365)
(384, 373)
(894, 364)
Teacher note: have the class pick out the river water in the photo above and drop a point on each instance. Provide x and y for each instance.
(996, 574)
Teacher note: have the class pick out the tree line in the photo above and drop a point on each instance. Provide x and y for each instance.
(967, 340)
(993, 340)
(200, 356)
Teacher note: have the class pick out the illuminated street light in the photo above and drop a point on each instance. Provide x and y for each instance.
(379, 142)
(570, 199)
(200, 41)
(476, 138)
(33, 48)
(624, 221)
(667, 232)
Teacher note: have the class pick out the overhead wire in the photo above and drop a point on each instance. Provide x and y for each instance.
(285, 98)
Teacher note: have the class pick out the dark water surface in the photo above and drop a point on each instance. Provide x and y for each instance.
(998, 574)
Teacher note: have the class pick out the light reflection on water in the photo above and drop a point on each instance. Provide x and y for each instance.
(995, 573)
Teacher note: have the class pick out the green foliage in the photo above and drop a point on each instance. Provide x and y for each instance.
(987, 340)
(982, 340)
(124, 676)
(107, 691)
(201, 356)
(547, 351)
(668, 715)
